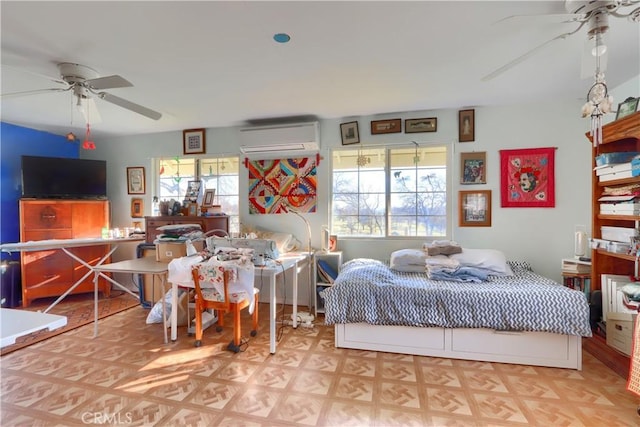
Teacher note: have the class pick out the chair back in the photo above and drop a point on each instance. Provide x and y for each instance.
(213, 277)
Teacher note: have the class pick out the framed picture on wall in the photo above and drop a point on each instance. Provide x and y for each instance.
(474, 208)
(473, 168)
(466, 126)
(137, 207)
(135, 180)
(386, 126)
(429, 124)
(193, 141)
(349, 133)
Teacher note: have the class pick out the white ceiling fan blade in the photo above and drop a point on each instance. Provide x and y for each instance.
(33, 73)
(521, 58)
(130, 105)
(108, 82)
(547, 18)
(32, 92)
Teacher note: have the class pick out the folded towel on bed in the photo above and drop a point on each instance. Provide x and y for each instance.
(460, 274)
(442, 247)
(441, 261)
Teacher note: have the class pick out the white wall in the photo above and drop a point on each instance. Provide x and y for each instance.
(540, 235)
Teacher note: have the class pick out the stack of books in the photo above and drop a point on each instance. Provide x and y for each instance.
(575, 266)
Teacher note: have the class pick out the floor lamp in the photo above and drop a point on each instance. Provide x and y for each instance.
(310, 251)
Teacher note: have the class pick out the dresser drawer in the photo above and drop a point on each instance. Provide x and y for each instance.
(29, 236)
(46, 268)
(45, 216)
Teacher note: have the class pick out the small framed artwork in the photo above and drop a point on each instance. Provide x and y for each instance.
(466, 126)
(386, 126)
(135, 180)
(473, 167)
(207, 200)
(626, 107)
(193, 141)
(349, 133)
(137, 207)
(192, 209)
(474, 208)
(421, 125)
(193, 191)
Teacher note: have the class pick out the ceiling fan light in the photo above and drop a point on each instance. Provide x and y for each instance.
(599, 50)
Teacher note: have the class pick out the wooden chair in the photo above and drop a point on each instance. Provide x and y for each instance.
(212, 292)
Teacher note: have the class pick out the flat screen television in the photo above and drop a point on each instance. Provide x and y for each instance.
(63, 178)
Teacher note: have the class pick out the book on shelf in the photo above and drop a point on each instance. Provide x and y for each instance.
(577, 270)
(582, 284)
(575, 266)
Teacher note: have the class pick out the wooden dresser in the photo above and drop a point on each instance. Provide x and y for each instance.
(208, 223)
(52, 272)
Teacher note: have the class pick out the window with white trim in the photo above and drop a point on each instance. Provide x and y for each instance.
(219, 173)
(384, 191)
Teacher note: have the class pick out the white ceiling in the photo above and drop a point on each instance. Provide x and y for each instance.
(213, 64)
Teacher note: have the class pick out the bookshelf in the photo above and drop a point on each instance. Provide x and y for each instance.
(576, 274)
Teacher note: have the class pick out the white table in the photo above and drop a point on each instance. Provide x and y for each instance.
(17, 323)
(144, 265)
(64, 244)
(292, 262)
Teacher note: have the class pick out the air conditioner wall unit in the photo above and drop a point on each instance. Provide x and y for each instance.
(280, 139)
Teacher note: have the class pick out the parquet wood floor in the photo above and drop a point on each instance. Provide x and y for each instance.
(127, 376)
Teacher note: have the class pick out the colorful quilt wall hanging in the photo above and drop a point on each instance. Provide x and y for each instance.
(278, 184)
(527, 178)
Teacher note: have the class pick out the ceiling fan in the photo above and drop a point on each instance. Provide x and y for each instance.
(594, 14)
(85, 83)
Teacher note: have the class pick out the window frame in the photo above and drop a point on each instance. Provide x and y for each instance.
(387, 170)
(234, 219)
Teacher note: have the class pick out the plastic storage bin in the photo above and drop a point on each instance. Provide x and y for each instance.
(613, 158)
(619, 234)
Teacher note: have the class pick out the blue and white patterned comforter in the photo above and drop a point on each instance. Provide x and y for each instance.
(369, 291)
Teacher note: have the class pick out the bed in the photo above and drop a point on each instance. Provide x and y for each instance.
(520, 317)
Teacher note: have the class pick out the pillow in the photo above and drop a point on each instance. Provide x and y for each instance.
(408, 257)
(410, 268)
(520, 266)
(488, 259)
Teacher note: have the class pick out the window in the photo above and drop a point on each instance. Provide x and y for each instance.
(220, 174)
(390, 192)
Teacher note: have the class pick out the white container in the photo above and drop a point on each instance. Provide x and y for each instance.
(619, 234)
(598, 244)
(580, 244)
(619, 247)
(620, 331)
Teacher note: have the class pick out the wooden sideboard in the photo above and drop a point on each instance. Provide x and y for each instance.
(52, 272)
(208, 223)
